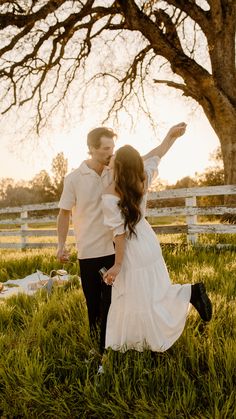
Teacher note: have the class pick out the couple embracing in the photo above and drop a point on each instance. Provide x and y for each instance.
(135, 304)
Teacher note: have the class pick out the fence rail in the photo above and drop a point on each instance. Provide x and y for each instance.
(190, 211)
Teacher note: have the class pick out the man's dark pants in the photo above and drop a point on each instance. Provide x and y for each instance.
(97, 293)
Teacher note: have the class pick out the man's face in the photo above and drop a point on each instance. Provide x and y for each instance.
(104, 153)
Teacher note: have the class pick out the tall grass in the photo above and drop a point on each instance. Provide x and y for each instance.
(17, 264)
(48, 371)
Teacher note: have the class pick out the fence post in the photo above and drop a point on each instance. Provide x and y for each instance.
(24, 227)
(191, 219)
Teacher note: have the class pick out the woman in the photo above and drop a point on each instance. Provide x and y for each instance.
(147, 310)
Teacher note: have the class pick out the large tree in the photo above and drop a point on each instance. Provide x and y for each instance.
(46, 44)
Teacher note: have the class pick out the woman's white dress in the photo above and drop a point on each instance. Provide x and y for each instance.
(147, 310)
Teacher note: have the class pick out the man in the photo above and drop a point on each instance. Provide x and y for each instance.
(82, 194)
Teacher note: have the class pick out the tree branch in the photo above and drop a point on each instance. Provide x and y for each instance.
(20, 21)
(195, 12)
(179, 86)
(59, 35)
(192, 72)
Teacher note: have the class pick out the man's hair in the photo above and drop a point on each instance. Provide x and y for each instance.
(94, 136)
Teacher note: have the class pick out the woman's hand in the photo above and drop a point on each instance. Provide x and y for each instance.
(174, 132)
(177, 130)
(110, 276)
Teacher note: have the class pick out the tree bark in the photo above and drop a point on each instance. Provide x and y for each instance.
(224, 124)
(222, 116)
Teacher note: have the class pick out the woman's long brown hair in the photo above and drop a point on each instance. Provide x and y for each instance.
(129, 179)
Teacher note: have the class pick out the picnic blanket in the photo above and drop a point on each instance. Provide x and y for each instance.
(31, 283)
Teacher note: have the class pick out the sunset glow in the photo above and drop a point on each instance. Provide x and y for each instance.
(189, 154)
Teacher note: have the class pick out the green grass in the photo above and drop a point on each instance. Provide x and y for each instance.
(47, 371)
(17, 264)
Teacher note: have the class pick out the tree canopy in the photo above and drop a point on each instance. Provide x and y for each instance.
(48, 46)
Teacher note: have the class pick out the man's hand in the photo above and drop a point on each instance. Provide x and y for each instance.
(62, 255)
(177, 130)
(63, 221)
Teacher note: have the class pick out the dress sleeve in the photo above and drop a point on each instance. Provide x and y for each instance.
(151, 168)
(112, 214)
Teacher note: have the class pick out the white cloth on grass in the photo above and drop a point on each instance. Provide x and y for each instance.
(28, 285)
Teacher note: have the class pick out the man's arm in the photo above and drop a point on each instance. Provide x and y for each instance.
(175, 132)
(63, 222)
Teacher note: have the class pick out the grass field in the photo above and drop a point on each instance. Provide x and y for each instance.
(48, 371)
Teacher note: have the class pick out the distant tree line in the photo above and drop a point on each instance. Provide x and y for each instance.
(45, 188)
(42, 188)
(212, 176)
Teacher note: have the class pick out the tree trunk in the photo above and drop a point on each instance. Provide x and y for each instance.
(221, 114)
(227, 136)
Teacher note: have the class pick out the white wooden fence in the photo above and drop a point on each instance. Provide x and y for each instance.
(191, 211)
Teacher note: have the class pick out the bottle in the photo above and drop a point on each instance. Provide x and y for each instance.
(102, 271)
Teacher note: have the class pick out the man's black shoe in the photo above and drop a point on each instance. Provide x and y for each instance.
(201, 301)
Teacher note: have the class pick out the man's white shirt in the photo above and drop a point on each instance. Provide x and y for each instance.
(82, 193)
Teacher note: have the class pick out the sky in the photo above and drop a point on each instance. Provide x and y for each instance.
(190, 153)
